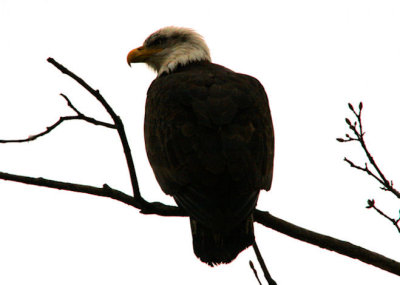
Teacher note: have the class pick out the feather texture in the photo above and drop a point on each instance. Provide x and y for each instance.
(210, 141)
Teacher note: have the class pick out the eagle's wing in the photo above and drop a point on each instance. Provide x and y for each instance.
(209, 139)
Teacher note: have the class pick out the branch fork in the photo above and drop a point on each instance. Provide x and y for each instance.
(357, 128)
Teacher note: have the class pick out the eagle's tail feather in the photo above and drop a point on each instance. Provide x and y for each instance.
(213, 247)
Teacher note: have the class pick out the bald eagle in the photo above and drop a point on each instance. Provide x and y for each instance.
(209, 139)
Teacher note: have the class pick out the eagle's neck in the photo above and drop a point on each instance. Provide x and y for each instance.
(183, 55)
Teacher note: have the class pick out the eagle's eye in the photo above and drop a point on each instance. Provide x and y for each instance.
(157, 41)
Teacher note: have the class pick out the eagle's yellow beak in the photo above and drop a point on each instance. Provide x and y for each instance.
(141, 54)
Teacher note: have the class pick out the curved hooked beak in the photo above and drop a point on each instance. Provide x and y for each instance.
(141, 54)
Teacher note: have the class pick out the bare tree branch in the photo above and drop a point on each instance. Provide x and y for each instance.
(262, 264)
(357, 129)
(79, 116)
(365, 169)
(327, 242)
(117, 122)
(86, 118)
(48, 130)
(69, 103)
(157, 208)
(105, 191)
(254, 271)
(264, 218)
(371, 204)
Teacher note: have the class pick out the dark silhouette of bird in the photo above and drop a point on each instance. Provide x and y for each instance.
(209, 139)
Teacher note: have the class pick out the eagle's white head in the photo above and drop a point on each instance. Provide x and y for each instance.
(169, 47)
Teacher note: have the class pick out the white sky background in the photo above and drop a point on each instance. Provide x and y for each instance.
(313, 57)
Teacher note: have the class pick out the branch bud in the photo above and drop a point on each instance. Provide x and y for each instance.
(351, 107)
(371, 203)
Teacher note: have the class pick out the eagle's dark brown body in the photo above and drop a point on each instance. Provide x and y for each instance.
(210, 141)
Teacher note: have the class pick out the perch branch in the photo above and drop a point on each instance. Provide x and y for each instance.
(327, 242)
(261, 217)
(105, 191)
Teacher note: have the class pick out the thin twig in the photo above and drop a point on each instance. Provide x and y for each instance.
(372, 205)
(48, 130)
(357, 129)
(393, 221)
(365, 169)
(62, 119)
(83, 117)
(262, 264)
(254, 271)
(69, 103)
(117, 121)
